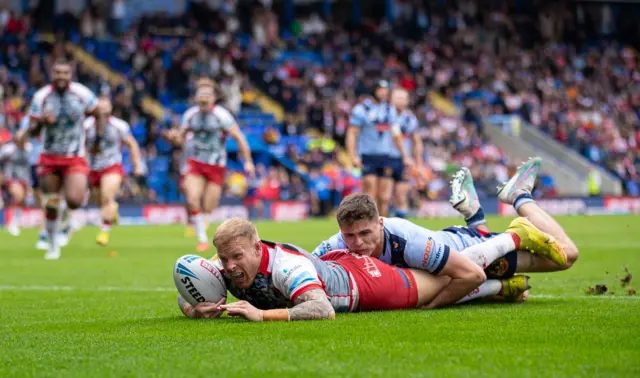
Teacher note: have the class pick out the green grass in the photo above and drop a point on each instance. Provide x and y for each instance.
(93, 314)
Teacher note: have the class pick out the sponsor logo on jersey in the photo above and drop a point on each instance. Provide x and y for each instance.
(186, 271)
(427, 252)
(300, 281)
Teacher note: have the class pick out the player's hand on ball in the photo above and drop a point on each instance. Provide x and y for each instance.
(244, 309)
(356, 162)
(409, 163)
(207, 310)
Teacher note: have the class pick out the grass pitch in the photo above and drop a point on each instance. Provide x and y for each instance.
(112, 312)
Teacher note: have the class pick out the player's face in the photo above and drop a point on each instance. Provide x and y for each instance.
(400, 99)
(382, 93)
(241, 261)
(363, 237)
(61, 76)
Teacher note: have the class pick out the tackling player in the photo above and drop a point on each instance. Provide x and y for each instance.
(373, 130)
(412, 142)
(106, 168)
(208, 125)
(280, 282)
(58, 111)
(17, 179)
(449, 252)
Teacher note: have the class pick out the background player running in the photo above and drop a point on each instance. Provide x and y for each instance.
(106, 170)
(16, 179)
(372, 133)
(58, 112)
(208, 125)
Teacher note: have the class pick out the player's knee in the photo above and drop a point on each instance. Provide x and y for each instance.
(74, 201)
(572, 254)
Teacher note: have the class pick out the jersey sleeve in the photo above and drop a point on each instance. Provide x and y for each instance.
(124, 130)
(88, 123)
(424, 250)
(224, 117)
(358, 117)
(186, 117)
(294, 275)
(87, 96)
(411, 125)
(24, 123)
(333, 243)
(37, 103)
(7, 150)
(395, 119)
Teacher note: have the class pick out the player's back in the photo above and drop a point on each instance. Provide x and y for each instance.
(374, 121)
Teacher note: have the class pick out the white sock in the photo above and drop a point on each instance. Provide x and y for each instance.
(52, 230)
(487, 289)
(488, 251)
(201, 231)
(15, 217)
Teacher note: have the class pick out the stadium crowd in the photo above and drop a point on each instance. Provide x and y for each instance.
(583, 94)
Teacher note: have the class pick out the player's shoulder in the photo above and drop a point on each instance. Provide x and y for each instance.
(215, 261)
(189, 113)
(42, 93)
(80, 89)
(119, 123)
(399, 226)
(221, 111)
(335, 242)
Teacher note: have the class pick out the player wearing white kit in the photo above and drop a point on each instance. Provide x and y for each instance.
(58, 112)
(208, 125)
(459, 253)
(408, 124)
(282, 282)
(372, 133)
(17, 179)
(106, 171)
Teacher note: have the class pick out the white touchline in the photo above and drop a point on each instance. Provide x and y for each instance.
(160, 289)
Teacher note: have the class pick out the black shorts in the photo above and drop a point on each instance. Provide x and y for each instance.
(35, 183)
(382, 166)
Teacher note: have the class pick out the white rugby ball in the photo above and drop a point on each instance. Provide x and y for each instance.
(198, 280)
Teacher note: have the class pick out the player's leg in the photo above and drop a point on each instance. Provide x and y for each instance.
(464, 199)
(189, 230)
(385, 190)
(517, 192)
(109, 186)
(370, 176)
(401, 199)
(17, 192)
(51, 184)
(210, 201)
(194, 186)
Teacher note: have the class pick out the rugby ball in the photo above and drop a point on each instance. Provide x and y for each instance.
(198, 280)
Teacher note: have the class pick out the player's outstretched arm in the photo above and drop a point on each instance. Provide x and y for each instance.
(312, 305)
(465, 277)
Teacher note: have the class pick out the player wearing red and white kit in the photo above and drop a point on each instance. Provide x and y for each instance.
(58, 112)
(106, 171)
(17, 179)
(208, 126)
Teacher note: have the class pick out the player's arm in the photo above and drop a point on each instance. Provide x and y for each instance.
(134, 148)
(243, 146)
(397, 140)
(426, 253)
(418, 148)
(356, 120)
(465, 277)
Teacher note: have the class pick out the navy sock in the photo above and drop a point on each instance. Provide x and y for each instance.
(401, 213)
(476, 219)
(522, 199)
(504, 267)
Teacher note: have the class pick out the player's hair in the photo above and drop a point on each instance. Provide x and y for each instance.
(62, 61)
(233, 229)
(205, 82)
(355, 207)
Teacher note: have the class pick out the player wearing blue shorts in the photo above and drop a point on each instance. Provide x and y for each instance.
(372, 133)
(409, 127)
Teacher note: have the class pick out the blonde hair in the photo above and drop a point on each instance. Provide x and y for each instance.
(233, 229)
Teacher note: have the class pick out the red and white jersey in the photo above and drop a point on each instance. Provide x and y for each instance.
(15, 162)
(115, 131)
(209, 132)
(66, 136)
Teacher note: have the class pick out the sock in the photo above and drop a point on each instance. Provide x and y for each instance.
(504, 267)
(488, 251)
(488, 288)
(476, 219)
(402, 213)
(65, 217)
(43, 233)
(52, 229)
(522, 199)
(15, 216)
(198, 222)
(106, 225)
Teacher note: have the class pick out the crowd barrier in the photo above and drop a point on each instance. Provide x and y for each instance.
(153, 214)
